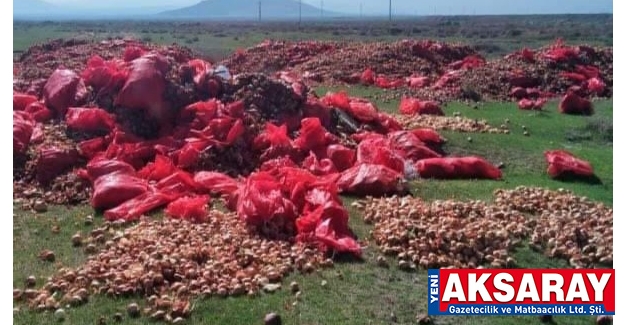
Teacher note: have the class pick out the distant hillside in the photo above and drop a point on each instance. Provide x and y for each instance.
(27, 8)
(274, 9)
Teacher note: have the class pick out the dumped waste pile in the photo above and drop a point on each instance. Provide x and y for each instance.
(141, 128)
(546, 72)
(37, 63)
(439, 71)
(132, 128)
(345, 61)
(170, 263)
(477, 234)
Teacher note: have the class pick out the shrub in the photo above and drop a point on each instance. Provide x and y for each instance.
(597, 128)
(395, 31)
(603, 128)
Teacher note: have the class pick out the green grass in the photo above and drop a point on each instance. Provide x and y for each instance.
(523, 155)
(356, 293)
(491, 35)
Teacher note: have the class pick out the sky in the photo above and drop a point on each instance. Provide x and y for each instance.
(412, 7)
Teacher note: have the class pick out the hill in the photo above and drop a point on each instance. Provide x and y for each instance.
(271, 9)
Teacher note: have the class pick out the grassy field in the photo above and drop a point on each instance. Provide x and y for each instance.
(357, 292)
(588, 137)
(492, 35)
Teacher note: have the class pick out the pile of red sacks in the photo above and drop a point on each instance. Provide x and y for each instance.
(302, 166)
(440, 71)
(573, 104)
(581, 77)
(368, 77)
(563, 165)
(532, 104)
(412, 106)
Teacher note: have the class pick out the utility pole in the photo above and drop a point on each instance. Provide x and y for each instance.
(390, 10)
(259, 11)
(300, 13)
(321, 8)
(361, 10)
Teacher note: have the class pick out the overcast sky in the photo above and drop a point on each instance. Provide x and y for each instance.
(421, 7)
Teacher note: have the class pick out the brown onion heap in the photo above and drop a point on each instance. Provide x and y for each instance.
(566, 226)
(170, 261)
(476, 234)
(451, 123)
(445, 233)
